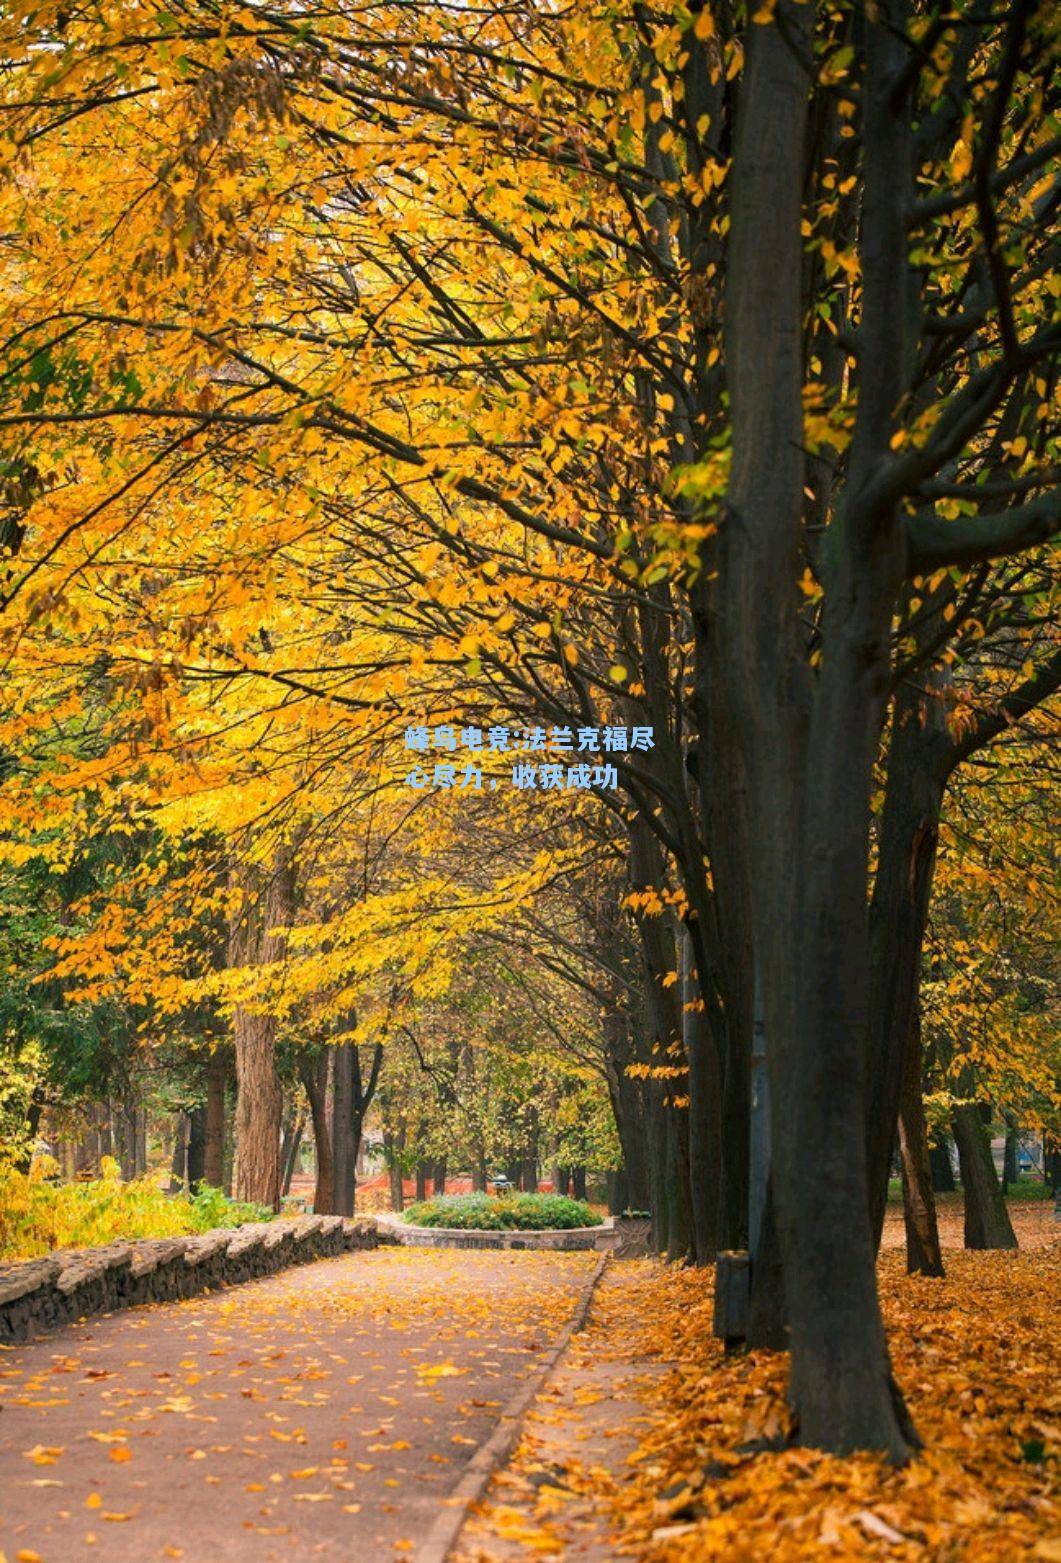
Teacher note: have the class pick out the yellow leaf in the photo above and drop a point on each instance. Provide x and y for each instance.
(439, 1370)
(40, 1454)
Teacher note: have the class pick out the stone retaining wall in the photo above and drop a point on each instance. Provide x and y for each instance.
(44, 1294)
(601, 1238)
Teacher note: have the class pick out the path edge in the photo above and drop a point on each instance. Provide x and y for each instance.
(490, 1456)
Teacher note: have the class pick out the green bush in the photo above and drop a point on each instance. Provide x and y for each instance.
(509, 1212)
(212, 1208)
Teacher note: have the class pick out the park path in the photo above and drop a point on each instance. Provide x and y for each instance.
(325, 1413)
(560, 1495)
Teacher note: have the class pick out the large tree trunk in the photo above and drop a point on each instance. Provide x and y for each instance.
(267, 905)
(923, 1253)
(987, 1223)
(810, 748)
(214, 1148)
(256, 1175)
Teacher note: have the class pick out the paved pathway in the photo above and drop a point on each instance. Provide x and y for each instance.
(559, 1499)
(322, 1414)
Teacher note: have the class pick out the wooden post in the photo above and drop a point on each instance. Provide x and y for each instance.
(732, 1295)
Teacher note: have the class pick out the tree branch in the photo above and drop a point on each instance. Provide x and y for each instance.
(932, 543)
(1009, 711)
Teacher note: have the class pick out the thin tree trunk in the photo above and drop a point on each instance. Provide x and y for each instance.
(179, 1164)
(923, 1253)
(987, 1223)
(942, 1169)
(705, 1101)
(214, 1149)
(314, 1076)
(292, 1141)
(394, 1146)
(196, 1148)
(918, 756)
(342, 1129)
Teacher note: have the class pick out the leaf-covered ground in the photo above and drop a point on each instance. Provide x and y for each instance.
(644, 1465)
(325, 1413)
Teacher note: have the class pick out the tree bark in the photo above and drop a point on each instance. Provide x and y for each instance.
(625, 1094)
(942, 1170)
(918, 763)
(343, 1153)
(179, 1163)
(313, 1072)
(256, 1173)
(924, 1255)
(267, 904)
(292, 1140)
(810, 747)
(214, 1149)
(394, 1145)
(987, 1223)
(196, 1149)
